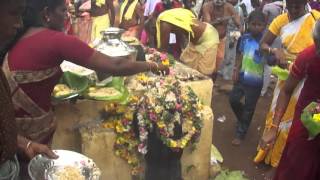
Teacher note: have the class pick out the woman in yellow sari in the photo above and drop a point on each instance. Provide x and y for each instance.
(295, 31)
(131, 18)
(103, 15)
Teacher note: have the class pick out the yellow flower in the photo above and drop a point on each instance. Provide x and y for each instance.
(166, 62)
(158, 109)
(108, 125)
(110, 107)
(199, 106)
(121, 109)
(161, 124)
(142, 77)
(128, 115)
(173, 143)
(316, 117)
(134, 98)
(119, 128)
(184, 142)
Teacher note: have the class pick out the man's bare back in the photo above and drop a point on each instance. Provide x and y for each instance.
(166, 28)
(219, 16)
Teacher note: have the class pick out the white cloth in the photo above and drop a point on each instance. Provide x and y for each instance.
(172, 39)
(149, 7)
(248, 5)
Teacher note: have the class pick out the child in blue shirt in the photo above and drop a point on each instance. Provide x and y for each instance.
(247, 74)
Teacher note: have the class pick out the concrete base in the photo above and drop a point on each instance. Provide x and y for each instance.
(97, 143)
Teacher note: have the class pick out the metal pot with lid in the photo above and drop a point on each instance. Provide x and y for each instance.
(112, 45)
(112, 33)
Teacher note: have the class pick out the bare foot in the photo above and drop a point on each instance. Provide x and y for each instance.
(236, 142)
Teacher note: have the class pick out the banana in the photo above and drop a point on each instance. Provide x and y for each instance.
(260, 155)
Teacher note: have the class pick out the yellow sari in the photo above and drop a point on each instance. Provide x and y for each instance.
(99, 23)
(128, 15)
(295, 37)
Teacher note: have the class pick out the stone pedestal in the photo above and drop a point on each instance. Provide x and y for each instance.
(97, 143)
(70, 118)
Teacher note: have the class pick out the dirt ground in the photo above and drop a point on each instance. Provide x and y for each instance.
(240, 157)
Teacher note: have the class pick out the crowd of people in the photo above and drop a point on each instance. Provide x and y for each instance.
(240, 40)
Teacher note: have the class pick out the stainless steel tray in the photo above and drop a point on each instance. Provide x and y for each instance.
(40, 167)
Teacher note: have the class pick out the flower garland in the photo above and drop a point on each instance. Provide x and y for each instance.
(166, 103)
(176, 104)
(120, 118)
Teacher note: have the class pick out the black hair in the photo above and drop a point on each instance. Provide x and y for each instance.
(4, 2)
(167, 4)
(257, 15)
(297, 1)
(31, 18)
(255, 3)
(187, 4)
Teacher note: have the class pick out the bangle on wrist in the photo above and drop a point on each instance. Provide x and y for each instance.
(156, 66)
(28, 144)
(269, 50)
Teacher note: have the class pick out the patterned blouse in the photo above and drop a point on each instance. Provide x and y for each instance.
(8, 133)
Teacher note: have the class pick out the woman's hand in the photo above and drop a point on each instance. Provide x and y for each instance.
(269, 138)
(159, 68)
(280, 57)
(35, 148)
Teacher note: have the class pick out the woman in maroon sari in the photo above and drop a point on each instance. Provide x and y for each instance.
(301, 157)
(32, 68)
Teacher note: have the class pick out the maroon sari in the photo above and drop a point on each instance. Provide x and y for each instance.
(301, 157)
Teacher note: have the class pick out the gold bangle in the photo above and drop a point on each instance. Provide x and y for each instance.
(28, 144)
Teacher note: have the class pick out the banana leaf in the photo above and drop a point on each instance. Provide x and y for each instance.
(118, 84)
(75, 82)
(310, 123)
